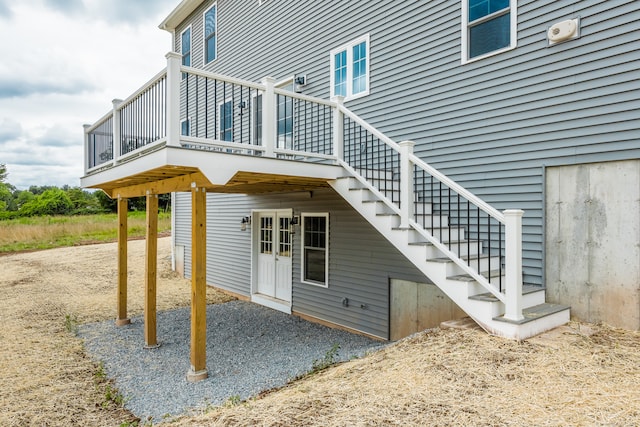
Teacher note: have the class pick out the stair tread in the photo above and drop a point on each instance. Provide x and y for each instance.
(536, 312)
(468, 278)
(489, 297)
(472, 257)
(453, 242)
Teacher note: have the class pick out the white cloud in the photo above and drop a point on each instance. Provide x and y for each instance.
(64, 61)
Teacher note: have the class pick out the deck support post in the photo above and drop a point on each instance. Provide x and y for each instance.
(151, 261)
(174, 77)
(513, 264)
(122, 318)
(198, 370)
(338, 128)
(406, 183)
(269, 111)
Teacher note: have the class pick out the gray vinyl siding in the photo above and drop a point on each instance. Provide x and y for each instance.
(493, 124)
(361, 262)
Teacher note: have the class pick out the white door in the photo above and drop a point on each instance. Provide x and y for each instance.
(274, 251)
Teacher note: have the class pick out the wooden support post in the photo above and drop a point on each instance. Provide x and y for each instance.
(122, 318)
(198, 369)
(151, 258)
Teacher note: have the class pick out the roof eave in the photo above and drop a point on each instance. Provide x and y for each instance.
(179, 14)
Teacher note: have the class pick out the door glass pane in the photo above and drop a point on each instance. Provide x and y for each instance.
(285, 237)
(266, 235)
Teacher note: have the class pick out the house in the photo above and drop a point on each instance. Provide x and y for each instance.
(384, 166)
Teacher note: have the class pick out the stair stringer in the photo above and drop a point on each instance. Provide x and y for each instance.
(385, 220)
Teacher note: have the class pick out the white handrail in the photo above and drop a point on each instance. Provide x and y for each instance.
(222, 77)
(382, 137)
(488, 209)
(155, 79)
(100, 122)
(302, 97)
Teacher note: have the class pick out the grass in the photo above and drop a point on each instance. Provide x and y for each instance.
(25, 234)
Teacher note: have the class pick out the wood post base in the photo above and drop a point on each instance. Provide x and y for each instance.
(123, 322)
(195, 376)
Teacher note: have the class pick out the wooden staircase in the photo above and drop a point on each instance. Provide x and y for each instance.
(482, 306)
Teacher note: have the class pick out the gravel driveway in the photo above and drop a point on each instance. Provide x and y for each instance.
(250, 349)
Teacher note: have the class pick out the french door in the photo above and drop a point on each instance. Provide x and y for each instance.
(273, 251)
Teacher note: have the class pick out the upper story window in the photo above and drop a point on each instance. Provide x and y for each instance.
(185, 47)
(488, 27)
(210, 34)
(350, 69)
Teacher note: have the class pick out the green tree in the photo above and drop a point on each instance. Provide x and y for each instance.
(51, 202)
(20, 197)
(3, 172)
(107, 203)
(83, 201)
(5, 197)
(40, 189)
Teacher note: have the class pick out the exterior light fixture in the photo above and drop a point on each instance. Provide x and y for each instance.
(246, 220)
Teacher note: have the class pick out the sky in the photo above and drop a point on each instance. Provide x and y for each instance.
(63, 61)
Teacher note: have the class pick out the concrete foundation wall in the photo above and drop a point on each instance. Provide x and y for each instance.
(415, 307)
(593, 241)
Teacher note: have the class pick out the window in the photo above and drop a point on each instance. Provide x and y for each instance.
(185, 46)
(257, 119)
(285, 116)
(226, 121)
(488, 27)
(315, 252)
(350, 69)
(185, 127)
(210, 34)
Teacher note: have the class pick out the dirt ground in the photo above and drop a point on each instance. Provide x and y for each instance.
(576, 375)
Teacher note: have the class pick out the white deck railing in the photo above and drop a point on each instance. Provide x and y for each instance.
(195, 109)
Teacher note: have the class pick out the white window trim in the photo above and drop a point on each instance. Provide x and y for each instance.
(204, 37)
(513, 33)
(326, 248)
(349, 48)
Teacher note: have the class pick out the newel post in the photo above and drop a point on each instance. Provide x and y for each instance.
(269, 109)
(117, 129)
(338, 128)
(513, 264)
(174, 77)
(87, 152)
(406, 183)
